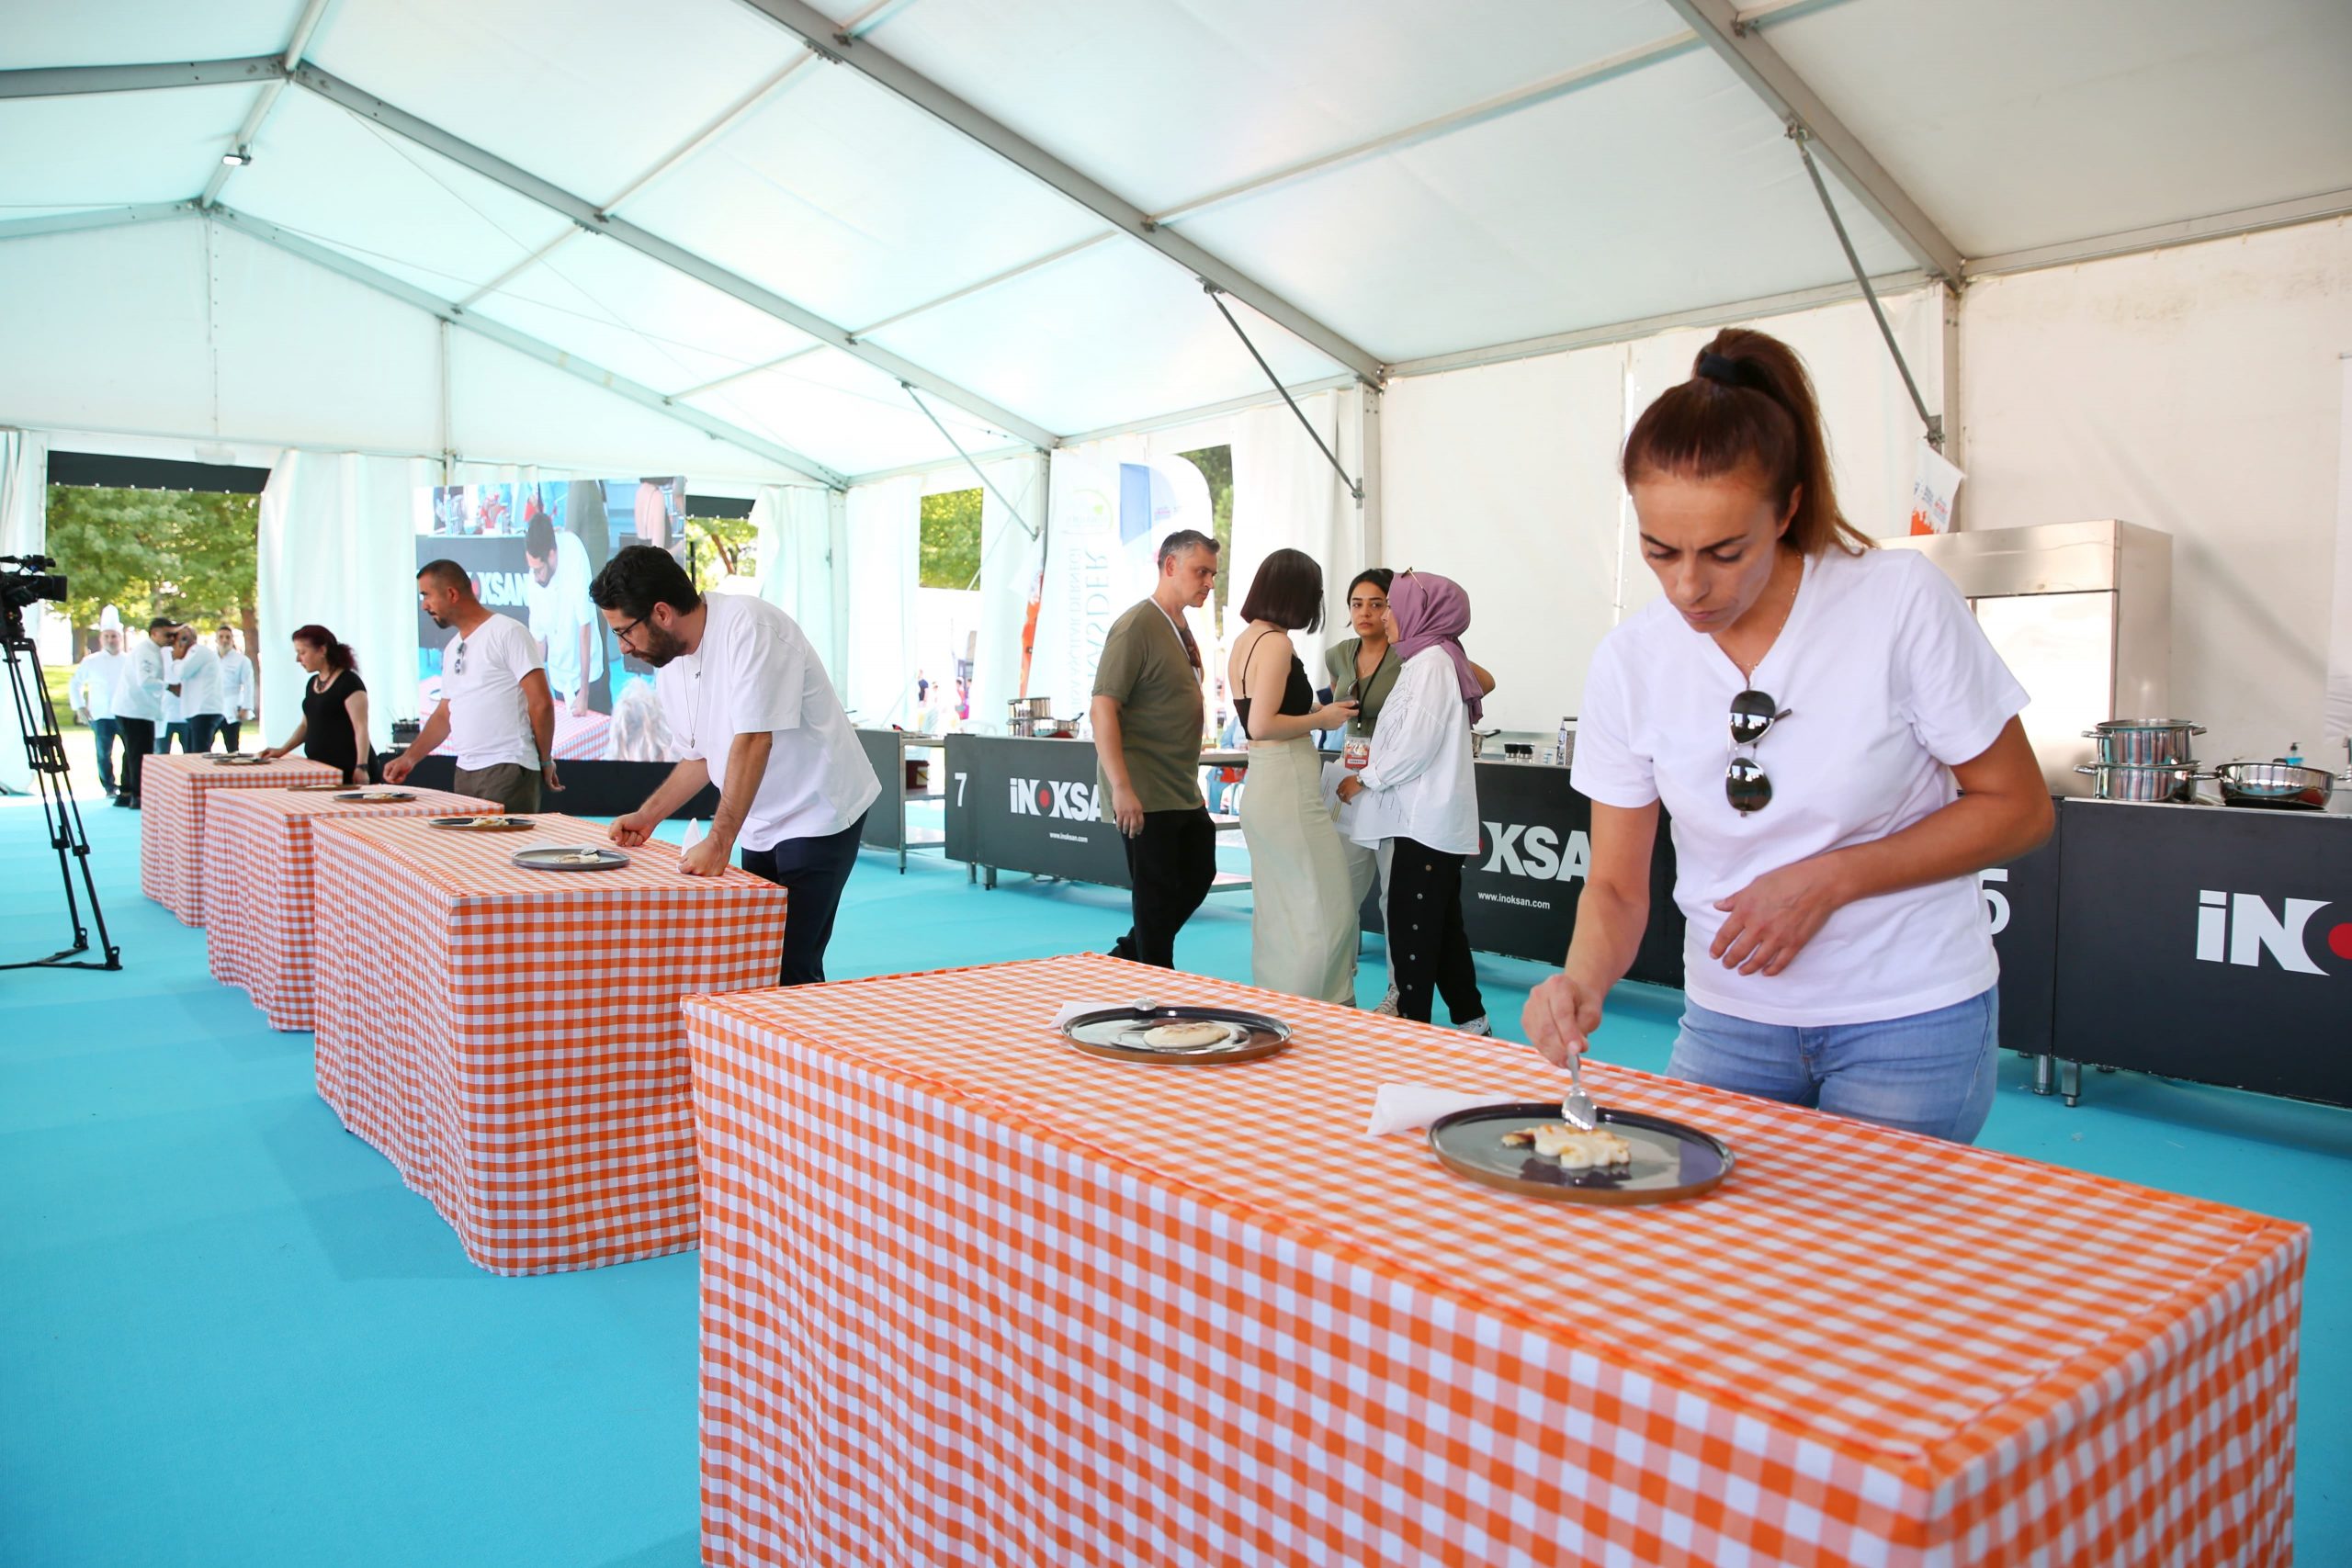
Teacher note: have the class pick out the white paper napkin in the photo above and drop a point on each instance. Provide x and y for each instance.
(1404, 1108)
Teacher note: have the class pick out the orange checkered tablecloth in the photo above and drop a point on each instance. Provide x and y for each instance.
(173, 789)
(511, 1038)
(971, 1295)
(259, 898)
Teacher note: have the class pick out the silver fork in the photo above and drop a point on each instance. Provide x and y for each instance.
(1578, 1109)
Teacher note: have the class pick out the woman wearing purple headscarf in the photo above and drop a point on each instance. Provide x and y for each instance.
(1415, 800)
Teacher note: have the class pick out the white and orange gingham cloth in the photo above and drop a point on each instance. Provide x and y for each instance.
(260, 900)
(173, 789)
(511, 1040)
(971, 1296)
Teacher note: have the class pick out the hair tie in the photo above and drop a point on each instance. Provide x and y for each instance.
(1725, 371)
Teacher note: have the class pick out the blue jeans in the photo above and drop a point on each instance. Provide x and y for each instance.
(108, 735)
(1932, 1072)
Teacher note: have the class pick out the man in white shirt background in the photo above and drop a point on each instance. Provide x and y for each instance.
(570, 638)
(90, 694)
(751, 711)
(138, 696)
(495, 706)
(196, 681)
(173, 726)
(237, 686)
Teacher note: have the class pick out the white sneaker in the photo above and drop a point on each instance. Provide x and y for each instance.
(1386, 1006)
(1477, 1026)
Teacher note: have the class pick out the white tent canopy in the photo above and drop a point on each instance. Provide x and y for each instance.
(773, 247)
(691, 199)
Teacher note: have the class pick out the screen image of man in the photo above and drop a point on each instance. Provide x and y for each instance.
(570, 638)
(138, 696)
(90, 694)
(751, 711)
(1147, 712)
(237, 699)
(196, 681)
(495, 709)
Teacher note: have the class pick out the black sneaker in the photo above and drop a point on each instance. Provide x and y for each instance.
(122, 800)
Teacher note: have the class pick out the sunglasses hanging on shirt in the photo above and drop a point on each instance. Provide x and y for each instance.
(1746, 786)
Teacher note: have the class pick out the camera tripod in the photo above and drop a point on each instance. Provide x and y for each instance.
(45, 751)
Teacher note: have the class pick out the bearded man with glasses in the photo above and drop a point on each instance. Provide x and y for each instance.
(1839, 747)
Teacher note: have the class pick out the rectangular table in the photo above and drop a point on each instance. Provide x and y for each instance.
(260, 900)
(968, 1294)
(511, 1038)
(173, 790)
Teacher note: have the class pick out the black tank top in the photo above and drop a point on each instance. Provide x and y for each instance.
(1299, 698)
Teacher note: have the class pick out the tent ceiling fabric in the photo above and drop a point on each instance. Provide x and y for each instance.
(1479, 173)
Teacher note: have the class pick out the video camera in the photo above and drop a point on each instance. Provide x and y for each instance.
(26, 580)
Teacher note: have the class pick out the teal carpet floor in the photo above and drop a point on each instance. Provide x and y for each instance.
(229, 1335)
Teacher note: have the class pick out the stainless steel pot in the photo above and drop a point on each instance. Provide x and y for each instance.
(2145, 742)
(2277, 785)
(2168, 782)
(1030, 708)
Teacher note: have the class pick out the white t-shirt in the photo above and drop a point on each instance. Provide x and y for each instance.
(481, 684)
(199, 679)
(92, 687)
(558, 612)
(1888, 682)
(139, 686)
(754, 671)
(1419, 782)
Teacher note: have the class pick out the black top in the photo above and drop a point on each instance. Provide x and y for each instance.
(1299, 697)
(327, 736)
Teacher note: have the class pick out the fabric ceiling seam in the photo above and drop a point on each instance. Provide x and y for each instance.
(829, 41)
(433, 138)
(1741, 46)
(1609, 332)
(306, 28)
(530, 347)
(2316, 208)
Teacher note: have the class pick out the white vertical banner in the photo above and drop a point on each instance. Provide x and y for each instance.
(885, 559)
(1287, 495)
(338, 549)
(2338, 716)
(798, 531)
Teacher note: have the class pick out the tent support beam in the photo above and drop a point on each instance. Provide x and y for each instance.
(838, 46)
(986, 483)
(96, 218)
(586, 214)
(305, 26)
(506, 337)
(72, 81)
(1354, 488)
(1755, 62)
(1934, 424)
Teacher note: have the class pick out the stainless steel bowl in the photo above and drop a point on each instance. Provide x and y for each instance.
(2145, 742)
(2170, 782)
(2276, 785)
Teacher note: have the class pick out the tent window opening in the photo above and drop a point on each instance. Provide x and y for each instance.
(951, 540)
(1215, 464)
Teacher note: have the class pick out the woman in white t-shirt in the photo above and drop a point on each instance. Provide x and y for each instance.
(1838, 747)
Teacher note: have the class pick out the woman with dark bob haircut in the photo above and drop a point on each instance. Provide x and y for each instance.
(1302, 925)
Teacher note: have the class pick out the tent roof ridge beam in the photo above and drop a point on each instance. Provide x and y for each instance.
(827, 40)
(120, 216)
(1755, 62)
(73, 80)
(306, 28)
(547, 353)
(588, 215)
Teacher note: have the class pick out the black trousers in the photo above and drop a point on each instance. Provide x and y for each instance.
(1429, 947)
(814, 872)
(1172, 864)
(137, 741)
(198, 736)
(230, 729)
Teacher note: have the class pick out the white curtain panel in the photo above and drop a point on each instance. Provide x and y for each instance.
(1287, 495)
(884, 522)
(800, 531)
(24, 527)
(338, 549)
(1011, 548)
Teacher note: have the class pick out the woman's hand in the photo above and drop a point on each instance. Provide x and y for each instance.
(1768, 923)
(1332, 715)
(1350, 787)
(271, 753)
(1560, 1017)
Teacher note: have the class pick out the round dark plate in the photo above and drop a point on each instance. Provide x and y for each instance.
(552, 857)
(1671, 1160)
(481, 823)
(1116, 1034)
(240, 760)
(379, 797)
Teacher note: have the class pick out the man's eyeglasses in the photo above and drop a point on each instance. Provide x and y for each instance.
(1753, 714)
(620, 633)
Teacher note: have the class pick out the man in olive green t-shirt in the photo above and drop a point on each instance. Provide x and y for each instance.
(1147, 716)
